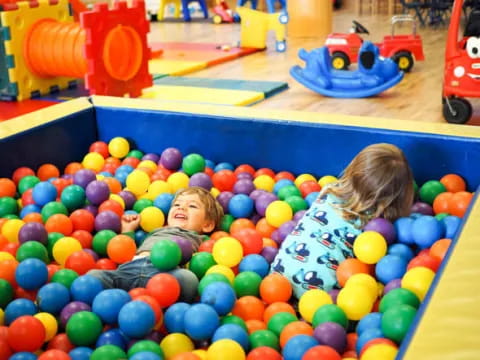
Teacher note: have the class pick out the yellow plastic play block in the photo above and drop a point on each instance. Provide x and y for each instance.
(174, 67)
(203, 95)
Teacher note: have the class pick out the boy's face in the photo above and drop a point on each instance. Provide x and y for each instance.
(188, 212)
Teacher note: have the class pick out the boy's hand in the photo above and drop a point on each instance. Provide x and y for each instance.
(130, 222)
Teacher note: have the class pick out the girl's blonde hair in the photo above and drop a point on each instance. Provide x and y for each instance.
(378, 182)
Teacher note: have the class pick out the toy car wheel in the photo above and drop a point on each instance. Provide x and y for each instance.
(340, 61)
(217, 19)
(281, 46)
(457, 110)
(404, 60)
(236, 18)
(283, 18)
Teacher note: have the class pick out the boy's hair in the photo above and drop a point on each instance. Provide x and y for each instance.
(213, 209)
(377, 182)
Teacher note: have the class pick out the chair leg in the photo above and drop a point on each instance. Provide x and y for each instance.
(203, 6)
(161, 10)
(185, 11)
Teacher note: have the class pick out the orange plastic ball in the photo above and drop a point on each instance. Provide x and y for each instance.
(264, 353)
(293, 329)
(240, 224)
(7, 187)
(218, 235)
(350, 267)
(264, 228)
(441, 203)
(244, 168)
(459, 203)
(111, 205)
(275, 288)
(440, 248)
(264, 171)
(277, 307)
(255, 325)
(453, 183)
(33, 217)
(47, 171)
(72, 168)
(284, 175)
(249, 308)
(113, 184)
(121, 248)
(59, 223)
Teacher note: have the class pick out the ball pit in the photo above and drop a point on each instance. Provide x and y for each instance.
(233, 275)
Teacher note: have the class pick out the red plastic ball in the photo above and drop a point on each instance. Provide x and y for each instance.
(251, 240)
(27, 198)
(321, 352)
(106, 264)
(26, 333)
(308, 187)
(264, 353)
(60, 184)
(164, 288)
(111, 205)
(81, 262)
(153, 303)
(244, 168)
(82, 220)
(100, 147)
(284, 175)
(5, 351)
(84, 237)
(224, 180)
(265, 171)
(132, 161)
(60, 342)
(207, 246)
(20, 173)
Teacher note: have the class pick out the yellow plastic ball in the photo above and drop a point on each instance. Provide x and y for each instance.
(178, 181)
(355, 301)
(93, 161)
(118, 147)
(365, 280)
(278, 212)
(327, 179)
(176, 343)
(11, 228)
(64, 247)
(148, 164)
(2, 317)
(138, 182)
(49, 323)
(418, 280)
(215, 192)
(222, 269)
(225, 349)
(369, 247)
(6, 256)
(302, 178)
(151, 218)
(380, 351)
(159, 187)
(100, 177)
(118, 199)
(227, 251)
(202, 354)
(264, 182)
(311, 301)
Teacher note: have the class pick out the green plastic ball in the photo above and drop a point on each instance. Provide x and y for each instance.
(234, 319)
(64, 277)
(52, 208)
(83, 328)
(430, 190)
(73, 197)
(136, 154)
(193, 163)
(141, 204)
(278, 321)
(209, 279)
(8, 206)
(145, 345)
(108, 352)
(297, 203)
(330, 313)
(27, 182)
(397, 297)
(226, 222)
(53, 237)
(396, 322)
(200, 263)
(32, 249)
(100, 241)
(6, 293)
(247, 283)
(11, 216)
(264, 338)
(441, 216)
(287, 191)
(165, 255)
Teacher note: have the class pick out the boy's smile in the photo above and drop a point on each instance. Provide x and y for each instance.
(189, 213)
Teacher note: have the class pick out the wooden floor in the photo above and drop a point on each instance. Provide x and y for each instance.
(417, 97)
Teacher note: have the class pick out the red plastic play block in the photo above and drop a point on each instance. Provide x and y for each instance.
(11, 109)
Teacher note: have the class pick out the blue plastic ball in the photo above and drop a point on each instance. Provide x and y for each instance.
(136, 319)
(201, 321)
(210, 164)
(297, 346)
(280, 184)
(234, 332)
(401, 250)
(256, 263)
(369, 321)
(112, 337)
(31, 274)
(220, 296)
(145, 355)
(124, 168)
(43, 193)
(121, 176)
(140, 236)
(310, 198)
(390, 267)
(19, 307)
(426, 230)
(107, 304)
(23, 356)
(81, 353)
(32, 208)
(174, 317)
(403, 228)
(85, 288)
(163, 202)
(366, 336)
(452, 224)
(223, 166)
(241, 206)
(53, 297)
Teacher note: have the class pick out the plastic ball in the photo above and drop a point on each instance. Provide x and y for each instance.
(278, 321)
(356, 301)
(26, 333)
(227, 251)
(136, 319)
(453, 183)
(219, 350)
(151, 218)
(369, 321)
(333, 335)
(369, 247)
(145, 347)
(297, 346)
(384, 227)
(108, 352)
(70, 309)
(108, 220)
(53, 297)
(121, 248)
(380, 351)
(49, 323)
(171, 158)
(32, 249)
(200, 263)
(93, 161)
(222, 269)
(85, 288)
(418, 280)
(275, 287)
(233, 332)
(459, 203)
(64, 247)
(247, 283)
(264, 353)
(426, 230)
(193, 163)
(43, 193)
(11, 229)
(430, 190)
(390, 267)
(321, 352)
(32, 232)
(264, 182)
(31, 274)
(439, 249)
(165, 255)
(396, 321)
(107, 304)
(224, 180)
(164, 288)
(240, 206)
(255, 263)
(83, 328)
(118, 147)
(278, 212)
(220, 296)
(201, 321)
(248, 308)
(59, 223)
(174, 317)
(403, 227)
(293, 329)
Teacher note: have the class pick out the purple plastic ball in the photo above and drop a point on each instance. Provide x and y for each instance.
(151, 156)
(243, 186)
(392, 284)
(93, 253)
(128, 197)
(422, 208)
(224, 198)
(244, 175)
(155, 336)
(72, 308)
(331, 334)
(67, 176)
(185, 247)
(384, 227)
(298, 215)
(269, 253)
(92, 209)
(171, 158)
(334, 294)
(202, 180)
(285, 229)
(276, 237)
(256, 193)
(84, 177)
(108, 220)
(97, 192)
(33, 231)
(263, 201)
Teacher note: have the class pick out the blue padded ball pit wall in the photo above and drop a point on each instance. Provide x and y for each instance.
(448, 321)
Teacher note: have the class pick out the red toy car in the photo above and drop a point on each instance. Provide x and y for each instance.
(223, 14)
(462, 66)
(403, 49)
